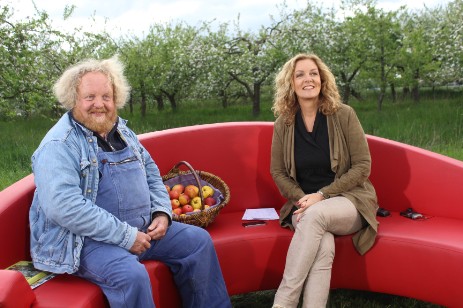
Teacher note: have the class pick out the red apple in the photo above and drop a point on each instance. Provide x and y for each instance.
(191, 190)
(174, 203)
(178, 187)
(209, 201)
(184, 199)
(187, 209)
(173, 194)
(177, 211)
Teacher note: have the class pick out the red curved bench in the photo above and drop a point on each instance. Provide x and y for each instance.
(418, 259)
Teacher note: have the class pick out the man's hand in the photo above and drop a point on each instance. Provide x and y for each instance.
(158, 227)
(142, 243)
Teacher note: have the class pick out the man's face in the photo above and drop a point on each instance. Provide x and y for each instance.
(95, 107)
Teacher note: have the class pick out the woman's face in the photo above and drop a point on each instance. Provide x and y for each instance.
(306, 80)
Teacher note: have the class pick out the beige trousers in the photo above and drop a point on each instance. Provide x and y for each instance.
(311, 252)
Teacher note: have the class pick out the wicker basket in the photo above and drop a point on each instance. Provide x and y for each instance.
(199, 178)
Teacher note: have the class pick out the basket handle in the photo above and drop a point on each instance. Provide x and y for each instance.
(175, 169)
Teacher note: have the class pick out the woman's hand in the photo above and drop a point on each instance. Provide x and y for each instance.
(305, 202)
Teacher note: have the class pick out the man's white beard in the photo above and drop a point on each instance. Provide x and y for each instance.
(101, 127)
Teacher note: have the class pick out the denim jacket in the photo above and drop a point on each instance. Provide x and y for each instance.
(63, 210)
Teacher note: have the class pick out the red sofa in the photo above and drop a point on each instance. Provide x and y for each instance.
(414, 258)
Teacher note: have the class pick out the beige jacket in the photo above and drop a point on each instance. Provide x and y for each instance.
(350, 160)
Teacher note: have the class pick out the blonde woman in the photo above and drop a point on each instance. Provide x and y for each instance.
(321, 163)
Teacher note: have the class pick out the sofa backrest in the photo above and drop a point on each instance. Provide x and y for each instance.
(15, 202)
(239, 153)
(407, 176)
(236, 152)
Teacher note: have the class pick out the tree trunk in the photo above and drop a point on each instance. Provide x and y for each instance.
(256, 100)
(345, 95)
(143, 104)
(405, 92)
(171, 98)
(416, 94)
(346, 92)
(131, 104)
(415, 89)
(383, 85)
(380, 100)
(393, 93)
(159, 102)
(173, 103)
(224, 98)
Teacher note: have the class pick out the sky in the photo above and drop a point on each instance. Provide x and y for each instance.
(129, 17)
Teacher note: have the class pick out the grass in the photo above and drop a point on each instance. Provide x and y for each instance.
(433, 124)
(19, 139)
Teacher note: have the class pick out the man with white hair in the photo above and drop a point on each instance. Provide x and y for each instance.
(101, 206)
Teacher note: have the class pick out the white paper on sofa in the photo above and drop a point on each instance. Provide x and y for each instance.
(261, 214)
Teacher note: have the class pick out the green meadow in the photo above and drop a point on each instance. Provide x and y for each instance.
(435, 123)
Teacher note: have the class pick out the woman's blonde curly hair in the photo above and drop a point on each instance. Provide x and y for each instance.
(285, 102)
(65, 88)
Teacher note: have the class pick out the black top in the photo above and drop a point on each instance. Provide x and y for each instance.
(312, 154)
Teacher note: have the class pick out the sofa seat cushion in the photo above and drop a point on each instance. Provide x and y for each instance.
(438, 232)
(420, 252)
(69, 291)
(251, 258)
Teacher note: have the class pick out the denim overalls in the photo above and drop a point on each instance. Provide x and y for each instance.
(123, 191)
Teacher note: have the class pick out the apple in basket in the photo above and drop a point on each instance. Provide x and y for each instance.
(174, 203)
(191, 190)
(187, 208)
(178, 187)
(196, 203)
(184, 199)
(173, 194)
(207, 191)
(209, 201)
(177, 211)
